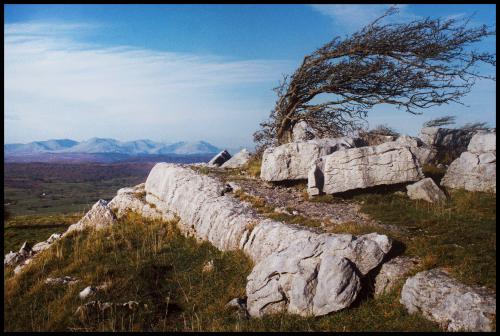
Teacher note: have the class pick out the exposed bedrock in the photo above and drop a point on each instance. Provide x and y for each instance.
(389, 163)
(476, 169)
(311, 273)
(291, 161)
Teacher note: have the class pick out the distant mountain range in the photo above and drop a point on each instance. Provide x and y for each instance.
(111, 146)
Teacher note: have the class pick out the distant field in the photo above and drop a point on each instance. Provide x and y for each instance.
(57, 188)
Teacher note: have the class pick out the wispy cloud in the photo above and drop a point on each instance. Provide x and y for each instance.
(57, 86)
(352, 17)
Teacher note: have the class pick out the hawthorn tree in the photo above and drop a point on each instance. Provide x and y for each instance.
(413, 66)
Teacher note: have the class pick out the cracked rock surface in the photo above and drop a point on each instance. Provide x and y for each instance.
(452, 304)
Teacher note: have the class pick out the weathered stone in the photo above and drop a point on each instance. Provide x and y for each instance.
(453, 305)
(66, 280)
(134, 199)
(474, 170)
(238, 160)
(291, 161)
(391, 272)
(219, 159)
(302, 132)
(348, 169)
(98, 217)
(87, 292)
(482, 143)
(208, 267)
(426, 190)
(230, 224)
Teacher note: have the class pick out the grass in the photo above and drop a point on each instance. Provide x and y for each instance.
(459, 234)
(34, 228)
(152, 263)
(260, 205)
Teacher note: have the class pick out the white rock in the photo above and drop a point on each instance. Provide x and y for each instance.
(66, 280)
(98, 217)
(348, 169)
(391, 272)
(474, 170)
(87, 292)
(453, 305)
(238, 160)
(426, 190)
(219, 159)
(482, 143)
(291, 161)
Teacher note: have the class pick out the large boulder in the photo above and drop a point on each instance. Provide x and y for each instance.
(238, 160)
(313, 274)
(474, 170)
(291, 161)
(453, 305)
(348, 169)
(426, 190)
(449, 143)
(219, 159)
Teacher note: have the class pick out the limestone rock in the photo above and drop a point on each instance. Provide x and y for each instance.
(134, 199)
(291, 161)
(391, 272)
(219, 159)
(208, 267)
(453, 305)
(348, 169)
(98, 217)
(302, 132)
(474, 170)
(305, 284)
(66, 280)
(482, 143)
(87, 292)
(238, 160)
(426, 190)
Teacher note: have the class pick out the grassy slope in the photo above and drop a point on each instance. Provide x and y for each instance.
(152, 263)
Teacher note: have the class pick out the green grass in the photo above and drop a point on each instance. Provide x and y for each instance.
(152, 263)
(459, 234)
(34, 228)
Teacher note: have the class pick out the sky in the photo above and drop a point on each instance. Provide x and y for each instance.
(186, 72)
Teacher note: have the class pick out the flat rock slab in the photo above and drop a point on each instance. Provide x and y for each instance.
(291, 161)
(357, 168)
(453, 305)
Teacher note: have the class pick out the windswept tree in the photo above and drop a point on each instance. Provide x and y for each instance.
(442, 121)
(413, 66)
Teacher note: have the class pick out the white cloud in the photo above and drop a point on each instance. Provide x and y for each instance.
(353, 17)
(55, 86)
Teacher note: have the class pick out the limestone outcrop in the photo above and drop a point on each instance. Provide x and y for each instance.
(453, 305)
(426, 190)
(291, 161)
(474, 170)
(238, 160)
(334, 266)
(389, 163)
(302, 132)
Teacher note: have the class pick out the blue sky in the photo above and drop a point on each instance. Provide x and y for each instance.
(184, 72)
